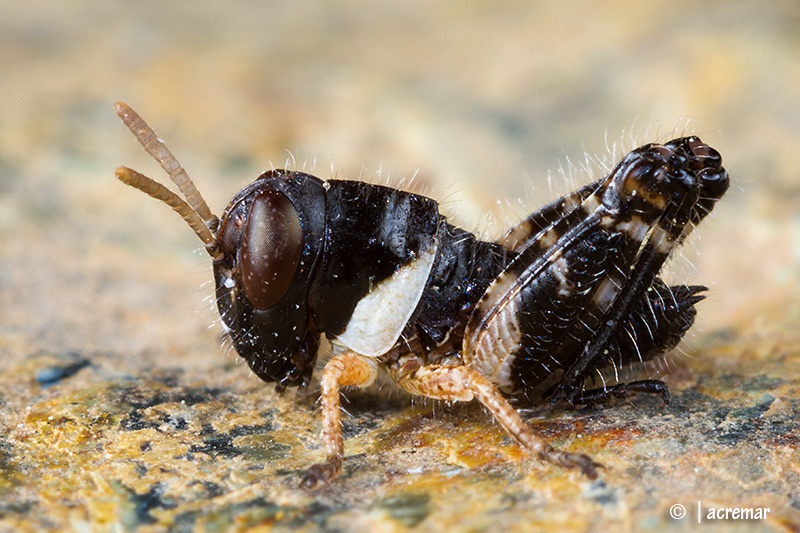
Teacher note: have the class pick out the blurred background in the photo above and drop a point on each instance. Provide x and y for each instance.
(493, 108)
(479, 101)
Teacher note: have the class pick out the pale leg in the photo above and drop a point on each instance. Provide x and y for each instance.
(457, 382)
(343, 370)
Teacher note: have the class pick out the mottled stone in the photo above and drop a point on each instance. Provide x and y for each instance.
(120, 410)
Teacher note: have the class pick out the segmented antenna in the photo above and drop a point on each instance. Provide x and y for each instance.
(194, 209)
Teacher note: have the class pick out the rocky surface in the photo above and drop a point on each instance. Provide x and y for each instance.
(119, 409)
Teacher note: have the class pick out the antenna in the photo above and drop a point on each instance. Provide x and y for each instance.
(194, 209)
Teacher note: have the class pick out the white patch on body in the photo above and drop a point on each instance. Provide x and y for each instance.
(559, 270)
(381, 315)
(636, 228)
(662, 241)
(606, 293)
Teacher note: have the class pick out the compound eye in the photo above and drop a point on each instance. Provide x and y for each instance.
(271, 246)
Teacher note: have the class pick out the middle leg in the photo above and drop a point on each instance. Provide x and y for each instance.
(462, 383)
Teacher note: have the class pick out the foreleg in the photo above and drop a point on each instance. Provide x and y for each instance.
(343, 370)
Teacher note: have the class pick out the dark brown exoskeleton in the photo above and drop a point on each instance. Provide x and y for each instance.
(567, 292)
